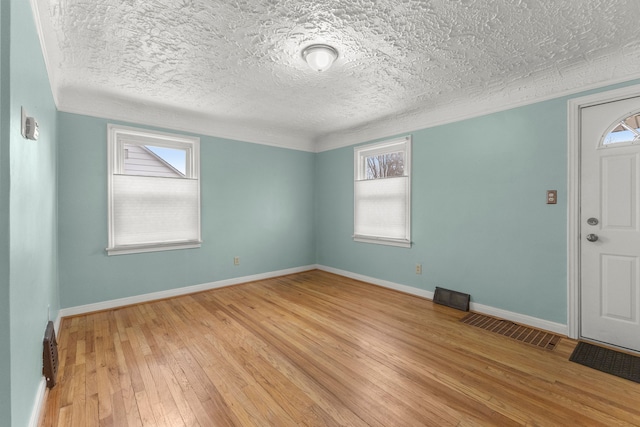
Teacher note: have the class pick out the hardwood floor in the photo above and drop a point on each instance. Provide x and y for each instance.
(320, 350)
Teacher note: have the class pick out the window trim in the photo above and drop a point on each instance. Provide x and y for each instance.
(360, 153)
(117, 137)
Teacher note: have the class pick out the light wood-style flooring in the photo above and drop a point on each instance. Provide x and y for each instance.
(316, 349)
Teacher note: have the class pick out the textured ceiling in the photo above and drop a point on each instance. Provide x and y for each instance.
(233, 68)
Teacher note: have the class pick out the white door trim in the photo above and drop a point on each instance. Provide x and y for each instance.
(573, 196)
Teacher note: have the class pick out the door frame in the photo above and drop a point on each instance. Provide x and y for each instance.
(574, 106)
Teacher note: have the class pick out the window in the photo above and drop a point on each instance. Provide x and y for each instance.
(624, 132)
(154, 191)
(382, 193)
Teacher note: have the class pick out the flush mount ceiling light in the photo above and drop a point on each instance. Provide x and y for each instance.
(320, 57)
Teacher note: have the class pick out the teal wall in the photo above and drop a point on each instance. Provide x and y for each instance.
(5, 354)
(479, 219)
(257, 203)
(32, 219)
(480, 224)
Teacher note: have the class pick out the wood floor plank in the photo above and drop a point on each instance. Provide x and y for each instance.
(388, 369)
(186, 413)
(317, 349)
(147, 417)
(102, 344)
(324, 401)
(91, 417)
(78, 414)
(357, 379)
(126, 388)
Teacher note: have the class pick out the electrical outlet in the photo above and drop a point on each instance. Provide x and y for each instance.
(418, 268)
(236, 260)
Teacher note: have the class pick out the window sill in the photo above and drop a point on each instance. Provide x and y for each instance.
(383, 241)
(135, 249)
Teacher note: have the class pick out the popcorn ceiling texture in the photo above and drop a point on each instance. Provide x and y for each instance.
(233, 68)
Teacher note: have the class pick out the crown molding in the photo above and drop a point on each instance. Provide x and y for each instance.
(468, 109)
(195, 123)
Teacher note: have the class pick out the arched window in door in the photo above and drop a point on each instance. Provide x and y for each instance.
(624, 132)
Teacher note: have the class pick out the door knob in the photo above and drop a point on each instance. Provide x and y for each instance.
(592, 237)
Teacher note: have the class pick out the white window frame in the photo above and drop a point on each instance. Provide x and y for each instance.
(117, 137)
(360, 154)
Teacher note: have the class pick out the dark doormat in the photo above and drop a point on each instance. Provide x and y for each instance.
(612, 362)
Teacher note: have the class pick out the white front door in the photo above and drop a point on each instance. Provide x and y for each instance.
(610, 224)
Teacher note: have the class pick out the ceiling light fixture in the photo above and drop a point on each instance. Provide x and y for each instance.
(320, 57)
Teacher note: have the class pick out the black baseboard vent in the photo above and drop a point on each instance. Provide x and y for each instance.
(452, 299)
(50, 356)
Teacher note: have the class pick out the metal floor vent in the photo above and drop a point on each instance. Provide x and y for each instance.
(525, 334)
(452, 299)
(50, 356)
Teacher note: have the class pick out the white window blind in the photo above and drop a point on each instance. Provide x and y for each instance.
(381, 207)
(154, 210)
(154, 204)
(382, 193)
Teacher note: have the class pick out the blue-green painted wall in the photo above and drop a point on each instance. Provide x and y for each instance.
(32, 212)
(480, 222)
(257, 203)
(5, 354)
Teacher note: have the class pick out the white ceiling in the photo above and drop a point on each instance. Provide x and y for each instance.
(233, 68)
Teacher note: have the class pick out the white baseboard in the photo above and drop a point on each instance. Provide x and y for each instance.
(480, 308)
(38, 404)
(137, 299)
(523, 319)
(391, 285)
(56, 325)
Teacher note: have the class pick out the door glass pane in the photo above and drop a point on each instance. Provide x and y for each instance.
(624, 132)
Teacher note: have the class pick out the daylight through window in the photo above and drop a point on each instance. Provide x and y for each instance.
(382, 193)
(625, 132)
(154, 191)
